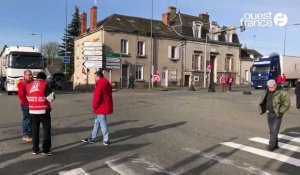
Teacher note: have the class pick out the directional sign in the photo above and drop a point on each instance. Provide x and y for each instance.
(113, 55)
(66, 59)
(112, 64)
(92, 48)
(92, 44)
(95, 58)
(112, 67)
(113, 60)
(92, 53)
(93, 64)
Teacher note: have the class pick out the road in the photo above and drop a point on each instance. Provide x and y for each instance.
(157, 132)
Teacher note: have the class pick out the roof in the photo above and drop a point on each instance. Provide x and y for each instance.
(136, 25)
(246, 53)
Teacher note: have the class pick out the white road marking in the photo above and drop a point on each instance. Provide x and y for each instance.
(77, 171)
(293, 132)
(230, 162)
(290, 138)
(119, 166)
(280, 144)
(268, 154)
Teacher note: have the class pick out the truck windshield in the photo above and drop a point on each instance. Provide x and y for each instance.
(260, 69)
(26, 61)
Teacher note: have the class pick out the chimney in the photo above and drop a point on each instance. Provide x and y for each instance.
(83, 23)
(93, 18)
(172, 11)
(166, 18)
(204, 17)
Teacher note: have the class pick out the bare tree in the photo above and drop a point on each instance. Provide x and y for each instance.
(50, 50)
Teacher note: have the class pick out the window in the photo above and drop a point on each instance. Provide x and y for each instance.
(197, 26)
(124, 46)
(141, 48)
(228, 63)
(139, 72)
(173, 52)
(173, 75)
(197, 62)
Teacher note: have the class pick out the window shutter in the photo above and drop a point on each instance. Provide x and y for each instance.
(177, 52)
(169, 51)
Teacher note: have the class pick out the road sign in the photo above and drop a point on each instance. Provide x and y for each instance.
(92, 48)
(92, 53)
(95, 58)
(93, 64)
(113, 60)
(112, 67)
(113, 55)
(66, 59)
(92, 44)
(112, 64)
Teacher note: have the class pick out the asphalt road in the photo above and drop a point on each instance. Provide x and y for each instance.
(157, 132)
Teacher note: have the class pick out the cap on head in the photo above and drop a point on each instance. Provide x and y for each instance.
(99, 73)
(41, 75)
(271, 82)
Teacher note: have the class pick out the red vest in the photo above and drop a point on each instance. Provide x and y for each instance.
(38, 104)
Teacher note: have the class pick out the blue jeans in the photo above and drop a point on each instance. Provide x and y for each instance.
(100, 122)
(26, 124)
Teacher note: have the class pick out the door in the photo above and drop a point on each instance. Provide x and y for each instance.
(164, 78)
(186, 80)
(212, 66)
(124, 80)
(247, 76)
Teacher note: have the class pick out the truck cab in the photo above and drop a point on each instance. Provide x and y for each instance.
(264, 69)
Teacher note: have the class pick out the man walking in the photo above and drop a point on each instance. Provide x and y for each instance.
(39, 95)
(131, 81)
(275, 103)
(223, 82)
(229, 82)
(26, 123)
(102, 106)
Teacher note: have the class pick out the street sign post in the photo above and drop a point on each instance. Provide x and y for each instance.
(66, 59)
(92, 44)
(94, 58)
(113, 61)
(92, 52)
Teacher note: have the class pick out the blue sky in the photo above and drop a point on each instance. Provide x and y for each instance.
(20, 18)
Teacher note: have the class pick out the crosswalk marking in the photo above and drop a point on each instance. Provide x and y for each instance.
(77, 171)
(290, 138)
(280, 144)
(268, 154)
(293, 132)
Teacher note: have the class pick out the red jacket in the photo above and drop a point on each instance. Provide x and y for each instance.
(283, 79)
(22, 92)
(279, 79)
(102, 99)
(36, 95)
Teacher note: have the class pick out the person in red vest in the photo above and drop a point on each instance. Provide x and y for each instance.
(26, 123)
(39, 95)
(283, 80)
(229, 82)
(102, 106)
(279, 81)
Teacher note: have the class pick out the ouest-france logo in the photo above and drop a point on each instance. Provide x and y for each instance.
(266, 19)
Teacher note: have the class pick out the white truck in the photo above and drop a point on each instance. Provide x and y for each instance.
(269, 67)
(14, 61)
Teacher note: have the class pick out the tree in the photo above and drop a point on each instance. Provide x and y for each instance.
(50, 50)
(70, 34)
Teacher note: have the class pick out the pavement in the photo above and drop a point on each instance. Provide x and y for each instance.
(158, 132)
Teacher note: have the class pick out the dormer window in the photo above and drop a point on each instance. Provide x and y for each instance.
(197, 27)
(229, 37)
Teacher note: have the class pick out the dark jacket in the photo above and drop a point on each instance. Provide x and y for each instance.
(297, 89)
(281, 103)
(102, 100)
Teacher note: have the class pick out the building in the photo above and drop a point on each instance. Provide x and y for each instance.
(179, 43)
(247, 58)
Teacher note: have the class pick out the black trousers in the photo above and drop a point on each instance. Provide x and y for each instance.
(274, 127)
(45, 119)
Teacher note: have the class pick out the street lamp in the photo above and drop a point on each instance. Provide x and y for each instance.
(285, 35)
(41, 35)
(151, 55)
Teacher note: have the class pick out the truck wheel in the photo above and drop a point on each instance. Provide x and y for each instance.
(9, 93)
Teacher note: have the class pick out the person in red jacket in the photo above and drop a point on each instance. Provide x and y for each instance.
(283, 80)
(39, 95)
(279, 81)
(26, 123)
(102, 106)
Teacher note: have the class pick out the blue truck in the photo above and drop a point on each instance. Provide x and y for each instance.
(269, 67)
